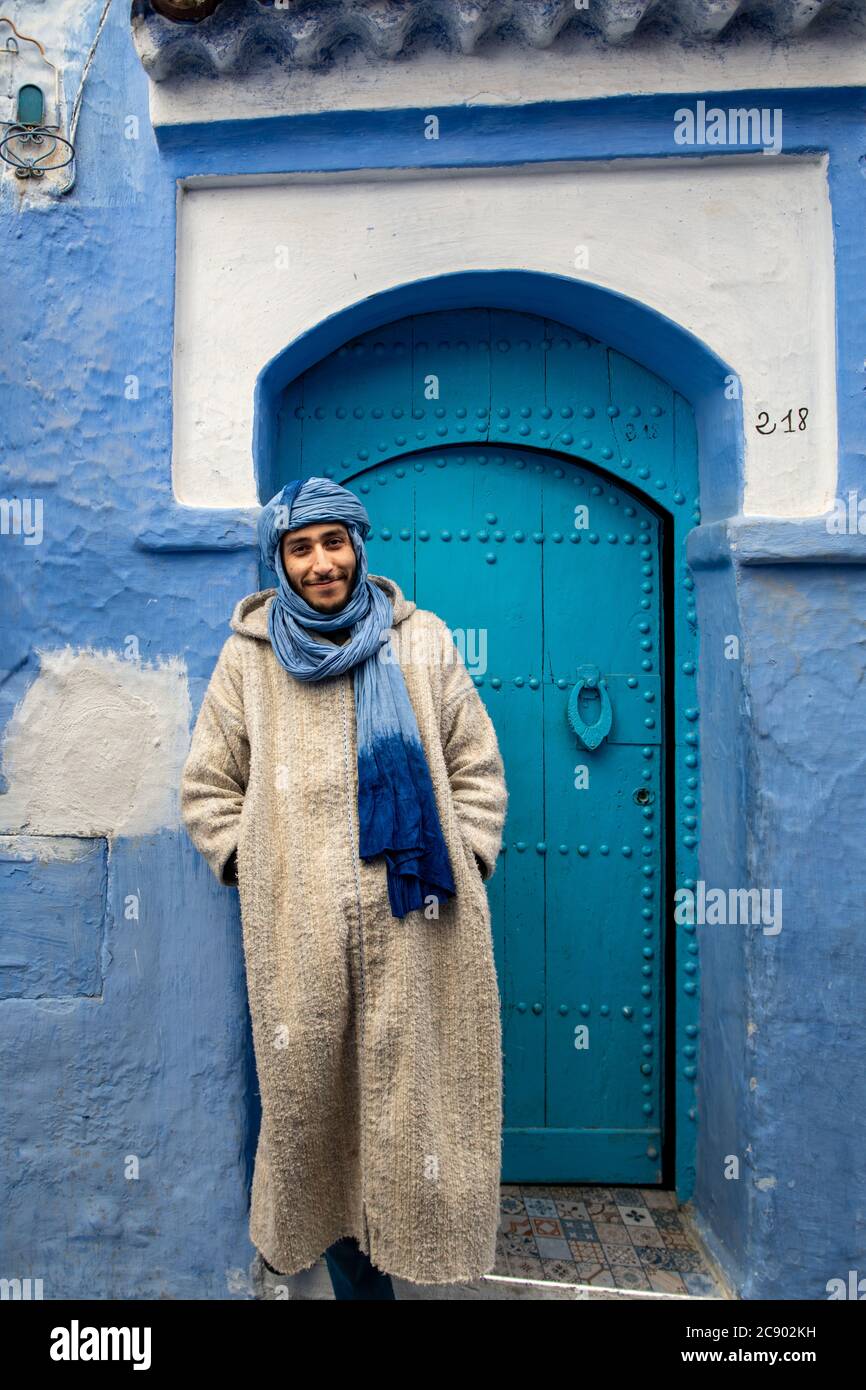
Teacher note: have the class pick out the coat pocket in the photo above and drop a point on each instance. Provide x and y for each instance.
(469, 853)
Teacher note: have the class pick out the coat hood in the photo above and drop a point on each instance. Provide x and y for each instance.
(250, 617)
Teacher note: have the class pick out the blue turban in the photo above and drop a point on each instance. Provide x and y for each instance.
(397, 813)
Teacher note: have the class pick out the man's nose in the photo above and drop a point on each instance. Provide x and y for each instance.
(323, 560)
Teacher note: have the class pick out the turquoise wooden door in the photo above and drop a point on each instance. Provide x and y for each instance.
(549, 572)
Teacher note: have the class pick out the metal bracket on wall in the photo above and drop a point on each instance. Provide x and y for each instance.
(30, 89)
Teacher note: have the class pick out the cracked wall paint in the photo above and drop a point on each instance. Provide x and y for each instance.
(783, 1051)
(44, 849)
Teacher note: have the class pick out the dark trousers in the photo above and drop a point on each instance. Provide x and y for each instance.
(352, 1274)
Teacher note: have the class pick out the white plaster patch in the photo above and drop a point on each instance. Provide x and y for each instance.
(738, 250)
(96, 747)
(47, 848)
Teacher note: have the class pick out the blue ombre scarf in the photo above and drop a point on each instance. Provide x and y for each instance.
(397, 811)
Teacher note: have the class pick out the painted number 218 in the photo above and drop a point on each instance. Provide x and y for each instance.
(764, 427)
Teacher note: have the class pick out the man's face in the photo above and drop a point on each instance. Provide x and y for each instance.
(320, 564)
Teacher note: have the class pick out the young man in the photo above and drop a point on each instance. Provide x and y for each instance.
(345, 760)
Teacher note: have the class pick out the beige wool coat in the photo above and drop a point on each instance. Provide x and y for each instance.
(377, 1040)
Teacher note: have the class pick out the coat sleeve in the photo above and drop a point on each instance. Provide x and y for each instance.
(216, 770)
(474, 761)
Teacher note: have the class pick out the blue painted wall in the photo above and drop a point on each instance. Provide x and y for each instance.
(157, 1062)
(783, 1054)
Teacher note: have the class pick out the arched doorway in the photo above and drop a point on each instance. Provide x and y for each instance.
(484, 445)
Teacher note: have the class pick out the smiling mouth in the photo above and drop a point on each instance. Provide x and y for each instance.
(324, 584)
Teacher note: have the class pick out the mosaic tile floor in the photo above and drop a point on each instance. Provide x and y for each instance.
(616, 1237)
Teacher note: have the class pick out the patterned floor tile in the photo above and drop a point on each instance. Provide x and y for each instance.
(602, 1211)
(688, 1261)
(701, 1284)
(550, 1249)
(665, 1281)
(646, 1235)
(666, 1219)
(512, 1205)
(653, 1258)
(539, 1206)
(673, 1239)
(608, 1233)
(656, 1198)
(609, 1237)
(561, 1271)
(519, 1245)
(636, 1215)
(548, 1226)
(576, 1210)
(586, 1250)
(625, 1277)
(621, 1255)
(591, 1272)
(515, 1226)
(577, 1230)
